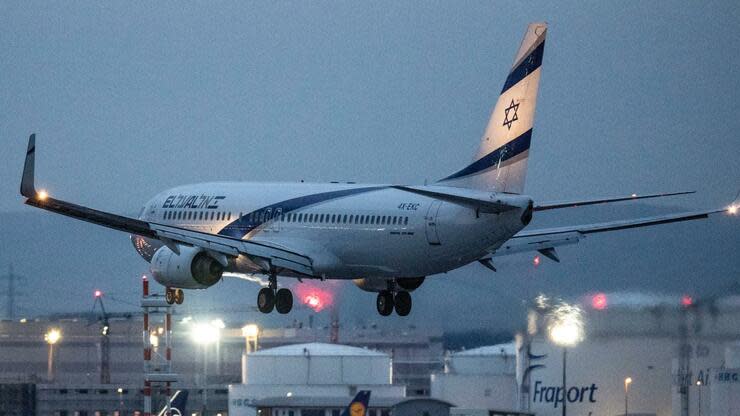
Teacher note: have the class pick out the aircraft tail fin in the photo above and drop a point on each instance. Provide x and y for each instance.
(501, 162)
(358, 405)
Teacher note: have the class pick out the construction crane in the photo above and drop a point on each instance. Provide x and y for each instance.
(104, 338)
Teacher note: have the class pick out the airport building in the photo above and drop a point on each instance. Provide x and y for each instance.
(638, 355)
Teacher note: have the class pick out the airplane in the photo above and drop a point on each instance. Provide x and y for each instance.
(358, 405)
(177, 404)
(385, 238)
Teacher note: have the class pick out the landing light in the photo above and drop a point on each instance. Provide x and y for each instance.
(42, 195)
(732, 209)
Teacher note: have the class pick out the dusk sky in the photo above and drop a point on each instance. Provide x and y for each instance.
(128, 99)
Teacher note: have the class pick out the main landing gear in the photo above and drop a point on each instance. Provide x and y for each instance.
(271, 297)
(174, 296)
(393, 298)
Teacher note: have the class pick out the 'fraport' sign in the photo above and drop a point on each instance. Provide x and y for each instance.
(554, 394)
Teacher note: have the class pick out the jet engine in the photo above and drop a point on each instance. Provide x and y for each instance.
(193, 268)
(376, 284)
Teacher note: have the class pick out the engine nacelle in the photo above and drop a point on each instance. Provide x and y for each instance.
(193, 268)
(376, 284)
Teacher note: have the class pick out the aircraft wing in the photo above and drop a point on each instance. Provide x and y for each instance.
(262, 253)
(581, 203)
(545, 240)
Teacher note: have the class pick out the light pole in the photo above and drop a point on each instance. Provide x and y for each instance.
(627, 382)
(205, 334)
(698, 385)
(52, 336)
(565, 330)
(250, 333)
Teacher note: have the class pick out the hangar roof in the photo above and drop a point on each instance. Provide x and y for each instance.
(315, 349)
(498, 349)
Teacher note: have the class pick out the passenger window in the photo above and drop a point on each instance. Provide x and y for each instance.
(372, 220)
(406, 221)
(345, 219)
(229, 216)
(321, 218)
(362, 219)
(333, 218)
(351, 218)
(382, 220)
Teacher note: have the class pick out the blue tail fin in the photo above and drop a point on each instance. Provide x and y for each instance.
(501, 162)
(358, 405)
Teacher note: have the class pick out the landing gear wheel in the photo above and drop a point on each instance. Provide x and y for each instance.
(402, 302)
(384, 303)
(179, 296)
(169, 295)
(266, 300)
(283, 301)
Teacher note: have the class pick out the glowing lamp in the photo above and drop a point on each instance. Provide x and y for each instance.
(53, 336)
(536, 261)
(566, 326)
(732, 209)
(204, 334)
(250, 331)
(42, 195)
(686, 301)
(98, 293)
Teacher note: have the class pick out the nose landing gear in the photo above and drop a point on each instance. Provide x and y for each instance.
(392, 298)
(270, 298)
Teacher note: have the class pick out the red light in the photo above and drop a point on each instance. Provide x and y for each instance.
(687, 301)
(599, 301)
(536, 261)
(316, 297)
(98, 293)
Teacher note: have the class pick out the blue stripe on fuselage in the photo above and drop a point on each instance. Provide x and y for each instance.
(500, 155)
(248, 222)
(526, 67)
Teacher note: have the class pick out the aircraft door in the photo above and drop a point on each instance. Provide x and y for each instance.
(431, 223)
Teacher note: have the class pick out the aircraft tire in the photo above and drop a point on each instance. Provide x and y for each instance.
(284, 301)
(179, 296)
(402, 302)
(169, 295)
(266, 300)
(384, 302)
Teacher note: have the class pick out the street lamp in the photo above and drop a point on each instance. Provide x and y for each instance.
(205, 334)
(627, 382)
(250, 332)
(52, 336)
(565, 330)
(698, 385)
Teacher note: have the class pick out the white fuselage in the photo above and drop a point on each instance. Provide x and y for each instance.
(349, 230)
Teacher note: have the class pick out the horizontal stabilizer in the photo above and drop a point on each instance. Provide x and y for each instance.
(581, 203)
(486, 202)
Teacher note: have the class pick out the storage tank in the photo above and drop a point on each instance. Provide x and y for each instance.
(480, 378)
(318, 364)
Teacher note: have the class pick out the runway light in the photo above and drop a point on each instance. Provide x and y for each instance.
(686, 301)
(314, 297)
(42, 195)
(634, 195)
(536, 261)
(599, 301)
(98, 293)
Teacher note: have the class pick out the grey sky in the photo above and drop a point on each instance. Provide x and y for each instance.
(128, 99)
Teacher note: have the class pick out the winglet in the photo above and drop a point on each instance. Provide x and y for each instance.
(28, 188)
